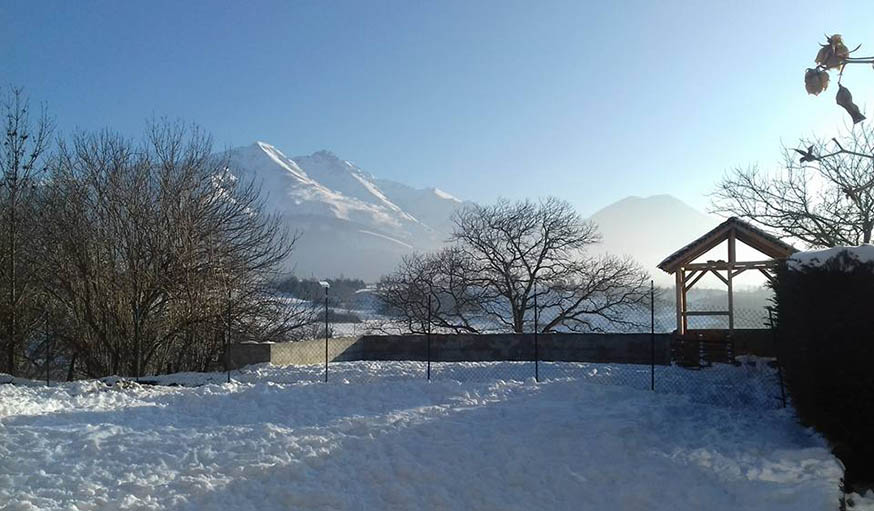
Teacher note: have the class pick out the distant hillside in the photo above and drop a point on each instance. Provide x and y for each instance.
(650, 228)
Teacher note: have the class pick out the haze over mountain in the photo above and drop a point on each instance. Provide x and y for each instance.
(358, 225)
(650, 229)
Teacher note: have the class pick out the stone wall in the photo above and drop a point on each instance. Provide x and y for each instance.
(605, 348)
(247, 353)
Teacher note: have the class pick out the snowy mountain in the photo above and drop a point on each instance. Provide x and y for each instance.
(650, 228)
(431, 206)
(350, 222)
(349, 180)
(355, 224)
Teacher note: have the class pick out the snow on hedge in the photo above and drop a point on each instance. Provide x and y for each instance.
(403, 444)
(814, 258)
(864, 502)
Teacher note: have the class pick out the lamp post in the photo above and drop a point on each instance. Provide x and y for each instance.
(536, 326)
(327, 285)
(228, 339)
(651, 335)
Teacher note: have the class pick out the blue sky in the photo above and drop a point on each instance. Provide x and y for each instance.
(587, 101)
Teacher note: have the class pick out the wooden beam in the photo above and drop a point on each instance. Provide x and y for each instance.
(723, 265)
(685, 303)
(738, 272)
(678, 276)
(762, 244)
(767, 275)
(732, 258)
(702, 246)
(748, 234)
(723, 279)
(696, 279)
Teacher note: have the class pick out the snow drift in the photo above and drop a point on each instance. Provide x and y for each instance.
(561, 444)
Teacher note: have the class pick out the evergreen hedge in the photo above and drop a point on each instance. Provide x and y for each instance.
(825, 321)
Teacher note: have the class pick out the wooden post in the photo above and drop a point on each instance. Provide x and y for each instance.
(685, 305)
(687, 272)
(732, 258)
(681, 299)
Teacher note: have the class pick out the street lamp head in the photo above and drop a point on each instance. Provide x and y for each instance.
(325, 284)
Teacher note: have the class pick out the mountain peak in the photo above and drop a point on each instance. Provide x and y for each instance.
(324, 154)
(650, 228)
(368, 223)
(443, 195)
(263, 145)
(662, 198)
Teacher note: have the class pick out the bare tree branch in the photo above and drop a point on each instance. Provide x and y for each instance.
(504, 256)
(824, 200)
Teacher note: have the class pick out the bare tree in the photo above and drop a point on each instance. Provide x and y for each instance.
(824, 199)
(519, 250)
(509, 259)
(22, 160)
(433, 291)
(606, 292)
(159, 253)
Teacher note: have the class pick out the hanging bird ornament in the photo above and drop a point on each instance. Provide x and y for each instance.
(845, 99)
(807, 155)
(834, 54)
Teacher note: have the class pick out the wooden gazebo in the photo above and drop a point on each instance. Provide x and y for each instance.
(687, 272)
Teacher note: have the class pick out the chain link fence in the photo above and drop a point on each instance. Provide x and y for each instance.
(347, 345)
(709, 364)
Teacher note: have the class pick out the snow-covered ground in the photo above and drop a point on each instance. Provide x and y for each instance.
(378, 436)
(753, 383)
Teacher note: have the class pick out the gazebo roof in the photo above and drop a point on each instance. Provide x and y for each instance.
(756, 238)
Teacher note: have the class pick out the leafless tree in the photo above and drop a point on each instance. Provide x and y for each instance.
(22, 160)
(511, 258)
(605, 292)
(519, 250)
(159, 253)
(433, 291)
(824, 198)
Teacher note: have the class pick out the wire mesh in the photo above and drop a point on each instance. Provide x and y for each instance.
(362, 351)
(360, 345)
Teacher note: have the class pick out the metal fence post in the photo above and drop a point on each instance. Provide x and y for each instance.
(137, 343)
(228, 339)
(429, 336)
(536, 354)
(326, 334)
(777, 355)
(48, 360)
(652, 335)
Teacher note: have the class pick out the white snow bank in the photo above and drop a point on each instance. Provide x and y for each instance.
(861, 502)
(562, 444)
(9, 379)
(816, 258)
(751, 384)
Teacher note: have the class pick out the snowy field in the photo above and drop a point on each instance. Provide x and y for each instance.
(378, 436)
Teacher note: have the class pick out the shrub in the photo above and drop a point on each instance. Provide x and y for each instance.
(825, 317)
